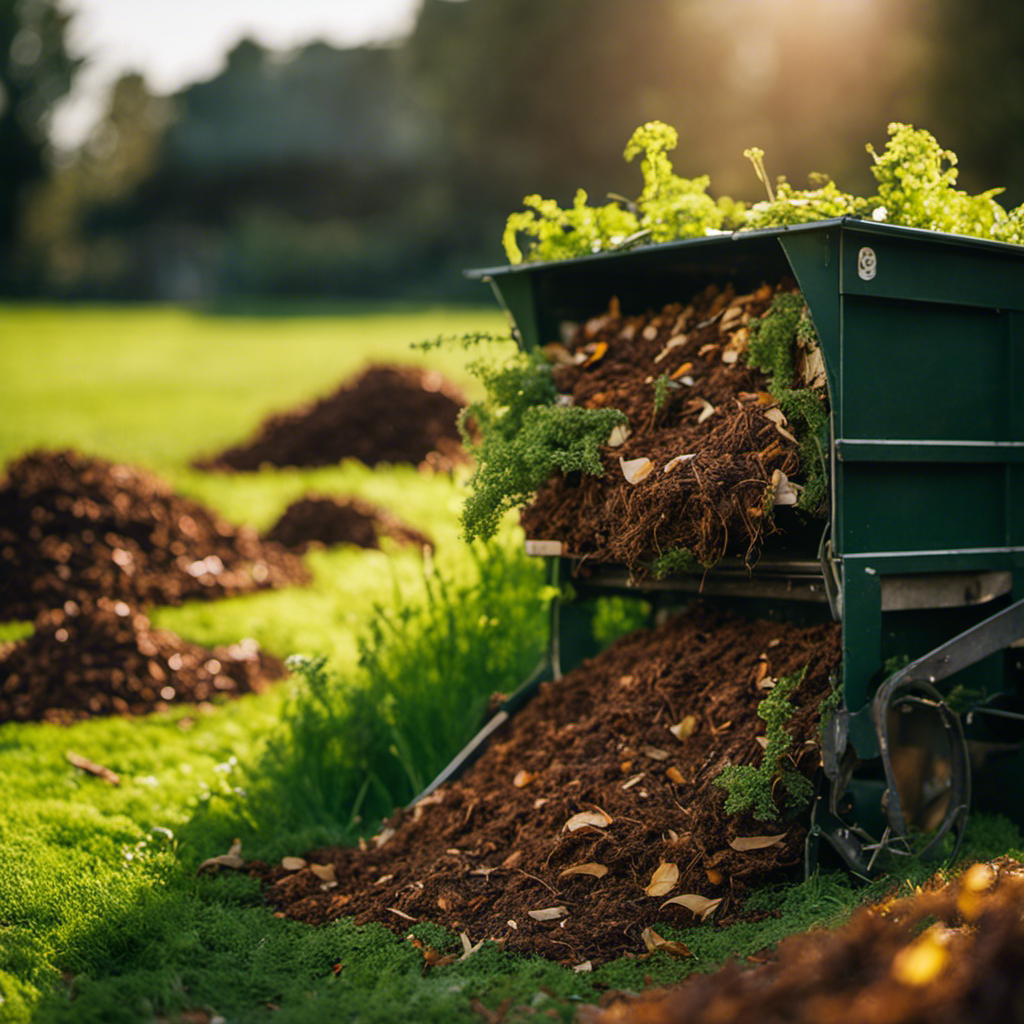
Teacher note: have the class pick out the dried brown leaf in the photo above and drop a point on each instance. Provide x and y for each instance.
(231, 859)
(293, 863)
(522, 778)
(635, 470)
(590, 868)
(92, 768)
(548, 913)
(325, 872)
(744, 843)
(684, 729)
(653, 941)
(597, 818)
(664, 879)
(701, 906)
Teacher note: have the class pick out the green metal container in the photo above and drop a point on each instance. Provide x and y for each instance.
(922, 336)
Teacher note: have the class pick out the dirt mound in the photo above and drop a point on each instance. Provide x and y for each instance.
(633, 739)
(953, 955)
(106, 658)
(327, 520)
(77, 528)
(393, 414)
(715, 437)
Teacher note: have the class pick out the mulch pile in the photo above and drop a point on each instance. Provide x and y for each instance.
(633, 740)
(106, 658)
(717, 410)
(77, 528)
(85, 546)
(388, 414)
(952, 955)
(325, 520)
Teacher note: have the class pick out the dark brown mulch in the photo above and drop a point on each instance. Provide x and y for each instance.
(484, 851)
(388, 414)
(325, 520)
(77, 528)
(106, 658)
(952, 955)
(711, 504)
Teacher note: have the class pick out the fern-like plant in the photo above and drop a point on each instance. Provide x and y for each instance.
(753, 789)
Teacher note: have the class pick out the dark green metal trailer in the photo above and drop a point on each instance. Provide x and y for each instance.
(922, 554)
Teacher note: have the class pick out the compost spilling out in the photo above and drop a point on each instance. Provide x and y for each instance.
(387, 414)
(953, 954)
(708, 453)
(595, 810)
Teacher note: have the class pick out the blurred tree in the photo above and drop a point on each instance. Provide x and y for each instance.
(35, 72)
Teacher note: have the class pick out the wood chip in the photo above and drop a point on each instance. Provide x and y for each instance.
(92, 768)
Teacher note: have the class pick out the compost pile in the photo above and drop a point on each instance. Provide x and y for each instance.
(77, 528)
(596, 803)
(106, 658)
(85, 545)
(704, 466)
(387, 414)
(953, 954)
(326, 520)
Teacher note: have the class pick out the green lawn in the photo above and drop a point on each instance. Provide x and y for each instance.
(102, 915)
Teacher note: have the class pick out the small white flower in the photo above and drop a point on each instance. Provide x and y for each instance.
(879, 213)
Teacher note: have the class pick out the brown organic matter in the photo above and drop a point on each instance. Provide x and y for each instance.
(79, 528)
(326, 520)
(592, 772)
(105, 657)
(953, 954)
(715, 408)
(387, 414)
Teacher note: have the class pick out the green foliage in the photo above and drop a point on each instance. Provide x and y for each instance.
(752, 789)
(558, 234)
(661, 392)
(525, 437)
(672, 207)
(673, 561)
(772, 340)
(806, 413)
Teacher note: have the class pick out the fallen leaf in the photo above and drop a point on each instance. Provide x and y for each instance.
(701, 906)
(548, 914)
(512, 925)
(673, 342)
(654, 942)
(762, 742)
(597, 818)
(674, 775)
(706, 408)
(715, 877)
(523, 778)
(730, 355)
(814, 367)
(684, 729)
(635, 470)
(231, 859)
(512, 859)
(382, 837)
(432, 958)
(584, 968)
(680, 371)
(677, 460)
(468, 949)
(590, 868)
(325, 872)
(83, 763)
(744, 843)
(664, 879)
(293, 863)
(619, 436)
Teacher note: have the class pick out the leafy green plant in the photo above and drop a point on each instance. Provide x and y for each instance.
(524, 436)
(753, 788)
(672, 561)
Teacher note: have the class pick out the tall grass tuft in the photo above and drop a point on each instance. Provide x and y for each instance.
(352, 748)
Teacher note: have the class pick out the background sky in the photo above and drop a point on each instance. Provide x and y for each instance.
(176, 42)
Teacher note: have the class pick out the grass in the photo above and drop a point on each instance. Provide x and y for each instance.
(102, 914)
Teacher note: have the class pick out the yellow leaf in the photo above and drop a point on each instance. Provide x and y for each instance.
(600, 348)
(701, 906)
(548, 914)
(635, 470)
(653, 941)
(663, 880)
(590, 868)
(679, 371)
(744, 843)
(684, 729)
(597, 818)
